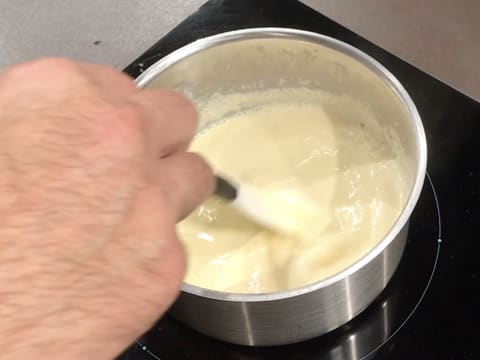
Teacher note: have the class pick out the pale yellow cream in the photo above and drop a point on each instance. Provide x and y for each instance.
(314, 150)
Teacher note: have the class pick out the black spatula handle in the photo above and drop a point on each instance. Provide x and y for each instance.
(225, 189)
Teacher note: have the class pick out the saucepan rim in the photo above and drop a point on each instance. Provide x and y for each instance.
(293, 34)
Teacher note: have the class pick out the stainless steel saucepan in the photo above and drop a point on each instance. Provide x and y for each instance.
(263, 58)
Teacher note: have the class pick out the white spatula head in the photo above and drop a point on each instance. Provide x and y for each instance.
(288, 211)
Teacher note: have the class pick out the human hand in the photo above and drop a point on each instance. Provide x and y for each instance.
(94, 174)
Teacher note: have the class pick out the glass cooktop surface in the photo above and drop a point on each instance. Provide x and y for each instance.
(429, 310)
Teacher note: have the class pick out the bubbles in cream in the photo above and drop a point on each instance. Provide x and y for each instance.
(311, 149)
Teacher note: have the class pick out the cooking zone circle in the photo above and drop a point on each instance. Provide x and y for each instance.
(360, 338)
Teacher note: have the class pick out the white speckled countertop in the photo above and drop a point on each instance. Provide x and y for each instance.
(442, 37)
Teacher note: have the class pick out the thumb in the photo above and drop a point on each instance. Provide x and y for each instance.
(187, 181)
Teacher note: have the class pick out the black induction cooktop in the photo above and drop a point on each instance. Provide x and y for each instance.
(430, 308)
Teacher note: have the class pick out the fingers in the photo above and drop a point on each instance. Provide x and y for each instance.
(187, 180)
(63, 73)
(171, 120)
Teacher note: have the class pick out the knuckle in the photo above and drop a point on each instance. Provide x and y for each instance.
(125, 124)
(131, 116)
(177, 101)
